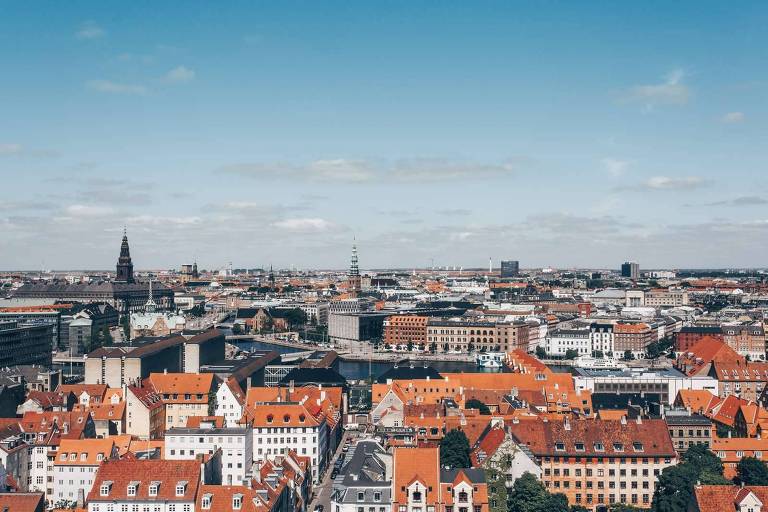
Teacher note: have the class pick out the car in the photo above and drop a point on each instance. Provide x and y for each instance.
(334, 473)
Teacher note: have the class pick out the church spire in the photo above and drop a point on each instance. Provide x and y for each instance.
(353, 277)
(124, 263)
(150, 306)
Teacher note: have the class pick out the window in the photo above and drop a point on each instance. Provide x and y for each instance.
(206, 501)
(618, 447)
(237, 501)
(181, 488)
(377, 496)
(579, 447)
(360, 496)
(560, 447)
(153, 488)
(132, 489)
(104, 489)
(599, 447)
(638, 446)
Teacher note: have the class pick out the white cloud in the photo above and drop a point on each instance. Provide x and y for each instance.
(668, 183)
(90, 30)
(179, 74)
(358, 171)
(615, 167)
(82, 210)
(672, 91)
(10, 149)
(733, 117)
(107, 86)
(304, 225)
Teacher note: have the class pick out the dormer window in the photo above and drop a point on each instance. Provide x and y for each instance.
(153, 488)
(104, 489)
(206, 501)
(599, 447)
(377, 496)
(132, 488)
(99, 457)
(579, 447)
(638, 446)
(237, 501)
(63, 456)
(83, 456)
(286, 418)
(181, 488)
(416, 496)
(560, 447)
(270, 418)
(618, 447)
(72, 456)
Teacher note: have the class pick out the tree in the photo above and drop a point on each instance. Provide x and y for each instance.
(628, 355)
(541, 353)
(295, 318)
(409, 346)
(126, 324)
(597, 354)
(433, 347)
(674, 489)
(571, 354)
(107, 337)
(474, 403)
(751, 471)
(529, 495)
(236, 329)
(454, 450)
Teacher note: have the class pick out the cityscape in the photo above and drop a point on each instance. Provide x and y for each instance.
(401, 257)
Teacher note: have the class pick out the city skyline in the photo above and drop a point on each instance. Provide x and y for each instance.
(559, 135)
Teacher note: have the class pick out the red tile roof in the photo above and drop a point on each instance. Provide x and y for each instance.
(725, 498)
(168, 473)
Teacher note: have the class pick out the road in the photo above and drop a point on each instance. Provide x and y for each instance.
(322, 491)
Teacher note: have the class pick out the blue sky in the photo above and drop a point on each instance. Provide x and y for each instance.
(557, 133)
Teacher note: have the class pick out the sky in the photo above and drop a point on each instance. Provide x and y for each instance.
(564, 134)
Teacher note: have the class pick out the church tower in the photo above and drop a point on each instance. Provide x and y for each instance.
(124, 264)
(353, 277)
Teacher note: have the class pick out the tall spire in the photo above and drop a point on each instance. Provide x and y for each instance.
(124, 263)
(150, 306)
(353, 277)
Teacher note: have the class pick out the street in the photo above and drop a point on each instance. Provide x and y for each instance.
(322, 491)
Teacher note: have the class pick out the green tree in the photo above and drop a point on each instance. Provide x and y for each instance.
(597, 354)
(106, 337)
(295, 318)
(236, 329)
(474, 403)
(529, 495)
(433, 347)
(454, 450)
(674, 489)
(409, 346)
(571, 354)
(125, 321)
(541, 353)
(751, 471)
(628, 355)
(623, 507)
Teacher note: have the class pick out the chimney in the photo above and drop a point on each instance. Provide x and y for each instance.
(623, 420)
(165, 371)
(566, 423)
(639, 420)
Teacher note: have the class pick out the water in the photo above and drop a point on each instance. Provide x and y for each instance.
(354, 370)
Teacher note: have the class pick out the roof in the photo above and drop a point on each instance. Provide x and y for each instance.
(411, 464)
(119, 473)
(325, 376)
(83, 452)
(705, 351)
(93, 390)
(182, 383)
(725, 498)
(697, 400)
(21, 501)
(597, 438)
(281, 414)
(487, 445)
(221, 497)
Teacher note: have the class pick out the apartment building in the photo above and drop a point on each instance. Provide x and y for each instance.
(236, 445)
(145, 485)
(666, 298)
(687, 429)
(75, 466)
(732, 449)
(25, 344)
(633, 337)
(366, 480)
(747, 340)
(400, 330)
(600, 462)
(744, 379)
(144, 411)
(184, 395)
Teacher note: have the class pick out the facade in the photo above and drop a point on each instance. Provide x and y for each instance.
(52, 315)
(510, 268)
(666, 382)
(400, 330)
(688, 429)
(467, 336)
(559, 341)
(687, 337)
(236, 445)
(22, 345)
(729, 498)
(184, 395)
(144, 411)
(667, 298)
(600, 462)
(15, 454)
(633, 337)
(747, 340)
(356, 327)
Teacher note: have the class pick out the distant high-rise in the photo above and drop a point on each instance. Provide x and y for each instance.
(510, 268)
(631, 270)
(124, 263)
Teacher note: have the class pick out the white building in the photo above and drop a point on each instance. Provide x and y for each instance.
(560, 341)
(75, 466)
(236, 445)
(229, 402)
(282, 426)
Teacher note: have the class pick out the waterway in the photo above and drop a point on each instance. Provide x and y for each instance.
(354, 370)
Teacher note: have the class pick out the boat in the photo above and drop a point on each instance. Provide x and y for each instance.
(601, 363)
(490, 359)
